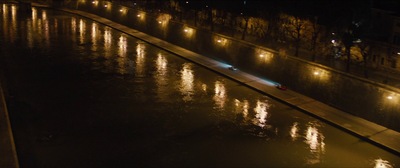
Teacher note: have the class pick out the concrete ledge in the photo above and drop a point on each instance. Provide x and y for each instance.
(8, 152)
(376, 134)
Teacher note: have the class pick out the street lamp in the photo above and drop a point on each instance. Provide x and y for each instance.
(188, 32)
(95, 3)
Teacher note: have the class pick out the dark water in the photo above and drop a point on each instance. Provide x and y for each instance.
(81, 94)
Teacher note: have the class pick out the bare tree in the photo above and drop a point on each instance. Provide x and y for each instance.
(258, 27)
(315, 32)
(245, 27)
(365, 49)
(347, 40)
(295, 28)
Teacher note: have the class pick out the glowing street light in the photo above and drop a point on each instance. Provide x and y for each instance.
(188, 32)
(141, 16)
(123, 11)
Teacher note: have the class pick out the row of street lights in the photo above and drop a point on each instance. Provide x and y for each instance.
(264, 56)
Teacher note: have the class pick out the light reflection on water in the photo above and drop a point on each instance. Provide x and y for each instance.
(29, 34)
(122, 60)
(315, 140)
(14, 23)
(294, 131)
(95, 33)
(122, 44)
(82, 31)
(73, 27)
(220, 96)
(161, 77)
(380, 163)
(261, 110)
(140, 59)
(107, 42)
(186, 85)
(46, 30)
(255, 111)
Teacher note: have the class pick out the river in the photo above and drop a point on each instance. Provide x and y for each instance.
(81, 94)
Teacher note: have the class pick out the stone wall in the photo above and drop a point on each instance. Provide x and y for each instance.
(367, 99)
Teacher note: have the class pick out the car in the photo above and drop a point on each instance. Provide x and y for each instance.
(281, 87)
(232, 68)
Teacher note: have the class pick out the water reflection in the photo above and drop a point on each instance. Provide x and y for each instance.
(122, 44)
(219, 95)
(161, 77)
(46, 30)
(380, 163)
(44, 15)
(107, 42)
(39, 30)
(161, 65)
(34, 16)
(315, 141)
(94, 35)
(5, 22)
(73, 26)
(294, 131)
(122, 60)
(140, 59)
(4, 8)
(242, 110)
(29, 35)
(261, 111)
(14, 24)
(5, 12)
(186, 85)
(204, 88)
(82, 31)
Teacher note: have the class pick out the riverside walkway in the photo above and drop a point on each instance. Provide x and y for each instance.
(374, 133)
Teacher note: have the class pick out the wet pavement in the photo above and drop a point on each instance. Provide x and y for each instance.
(106, 99)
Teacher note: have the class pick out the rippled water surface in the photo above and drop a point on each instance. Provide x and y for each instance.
(81, 94)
